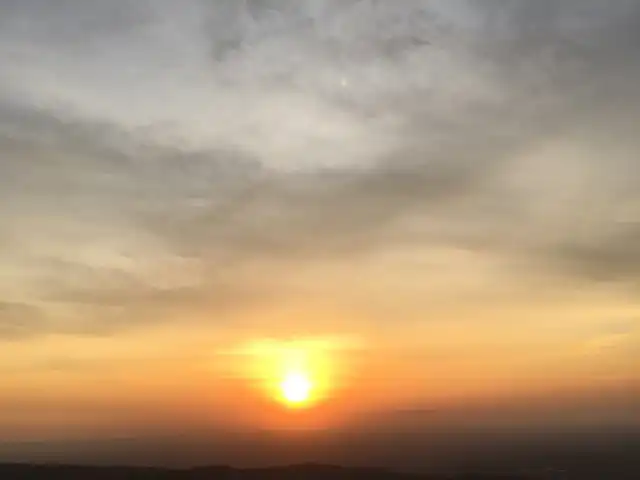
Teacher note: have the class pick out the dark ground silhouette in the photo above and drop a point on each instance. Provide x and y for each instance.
(293, 472)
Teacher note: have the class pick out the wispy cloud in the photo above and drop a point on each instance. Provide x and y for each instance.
(158, 157)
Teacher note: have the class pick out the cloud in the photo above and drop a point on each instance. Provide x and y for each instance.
(144, 142)
(19, 320)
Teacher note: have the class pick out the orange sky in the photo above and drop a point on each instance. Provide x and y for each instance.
(434, 203)
(172, 374)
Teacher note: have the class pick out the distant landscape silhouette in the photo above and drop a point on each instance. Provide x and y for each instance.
(292, 472)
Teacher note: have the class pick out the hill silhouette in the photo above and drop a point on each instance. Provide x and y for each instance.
(290, 472)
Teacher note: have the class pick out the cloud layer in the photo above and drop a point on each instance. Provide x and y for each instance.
(159, 160)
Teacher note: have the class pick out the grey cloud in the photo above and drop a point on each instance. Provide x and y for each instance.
(207, 134)
(18, 320)
(611, 256)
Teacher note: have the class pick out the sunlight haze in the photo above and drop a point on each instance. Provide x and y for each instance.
(322, 230)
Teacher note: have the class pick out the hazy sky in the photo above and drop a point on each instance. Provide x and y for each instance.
(440, 199)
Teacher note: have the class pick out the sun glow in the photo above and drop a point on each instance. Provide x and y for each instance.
(298, 373)
(296, 388)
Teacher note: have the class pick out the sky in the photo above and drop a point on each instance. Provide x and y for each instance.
(435, 203)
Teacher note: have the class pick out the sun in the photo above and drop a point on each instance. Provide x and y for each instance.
(296, 374)
(296, 388)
